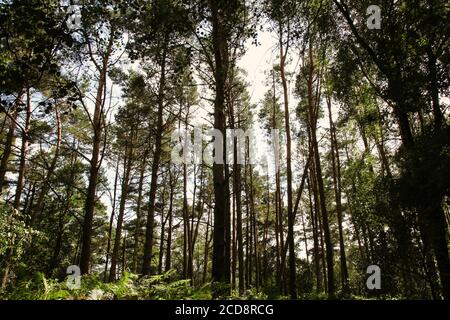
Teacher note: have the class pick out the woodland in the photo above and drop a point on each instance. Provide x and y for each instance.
(93, 205)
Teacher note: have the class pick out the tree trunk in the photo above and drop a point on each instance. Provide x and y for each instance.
(139, 212)
(124, 254)
(23, 153)
(163, 221)
(438, 231)
(111, 219)
(206, 253)
(248, 229)
(169, 230)
(128, 161)
(254, 230)
(148, 247)
(321, 189)
(278, 209)
(93, 174)
(7, 149)
(233, 241)
(186, 233)
(316, 253)
(292, 271)
(161, 244)
(337, 191)
(238, 202)
(219, 43)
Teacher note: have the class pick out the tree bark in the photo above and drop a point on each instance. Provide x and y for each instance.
(148, 247)
(292, 271)
(139, 212)
(321, 189)
(238, 201)
(23, 153)
(7, 149)
(206, 252)
(337, 191)
(94, 165)
(169, 230)
(128, 162)
(111, 219)
(219, 43)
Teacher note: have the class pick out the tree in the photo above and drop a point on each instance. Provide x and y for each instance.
(99, 48)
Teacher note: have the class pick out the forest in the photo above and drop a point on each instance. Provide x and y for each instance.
(322, 170)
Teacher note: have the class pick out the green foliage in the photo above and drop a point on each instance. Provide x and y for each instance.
(315, 296)
(92, 287)
(250, 294)
(14, 234)
(15, 237)
(203, 293)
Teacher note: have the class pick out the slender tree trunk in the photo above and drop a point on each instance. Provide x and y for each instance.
(227, 218)
(246, 256)
(237, 197)
(206, 252)
(234, 242)
(190, 261)
(137, 227)
(148, 247)
(266, 235)
(57, 249)
(248, 229)
(169, 230)
(320, 184)
(7, 149)
(438, 231)
(219, 44)
(428, 258)
(111, 219)
(124, 254)
(319, 228)
(292, 271)
(305, 239)
(434, 90)
(254, 230)
(161, 244)
(128, 161)
(278, 208)
(23, 153)
(201, 203)
(30, 198)
(94, 164)
(163, 221)
(316, 253)
(186, 233)
(337, 191)
(191, 229)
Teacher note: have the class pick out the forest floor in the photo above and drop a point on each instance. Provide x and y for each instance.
(133, 287)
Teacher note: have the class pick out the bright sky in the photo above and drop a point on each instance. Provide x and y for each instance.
(256, 61)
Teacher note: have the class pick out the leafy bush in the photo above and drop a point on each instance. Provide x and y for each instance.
(92, 287)
(249, 294)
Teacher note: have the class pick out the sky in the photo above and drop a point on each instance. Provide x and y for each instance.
(256, 61)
